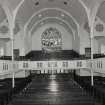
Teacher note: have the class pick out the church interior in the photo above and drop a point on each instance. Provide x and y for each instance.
(52, 52)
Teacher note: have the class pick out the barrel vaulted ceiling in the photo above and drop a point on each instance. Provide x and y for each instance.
(75, 9)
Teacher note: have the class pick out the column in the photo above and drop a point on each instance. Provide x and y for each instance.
(12, 44)
(92, 52)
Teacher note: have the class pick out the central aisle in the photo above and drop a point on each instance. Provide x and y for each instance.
(53, 90)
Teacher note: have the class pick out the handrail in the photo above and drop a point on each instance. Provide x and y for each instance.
(6, 66)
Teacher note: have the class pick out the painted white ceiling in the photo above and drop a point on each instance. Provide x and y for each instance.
(2, 15)
(101, 12)
(51, 20)
(73, 7)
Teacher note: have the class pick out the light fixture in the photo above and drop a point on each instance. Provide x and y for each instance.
(36, 3)
(65, 2)
(62, 15)
(40, 15)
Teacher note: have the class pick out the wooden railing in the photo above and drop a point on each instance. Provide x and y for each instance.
(7, 67)
(65, 64)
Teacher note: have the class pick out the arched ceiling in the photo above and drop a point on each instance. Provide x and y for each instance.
(73, 7)
(51, 12)
(13, 3)
(101, 12)
(91, 3)
(29, 7)
(51, 20)
(2, 14)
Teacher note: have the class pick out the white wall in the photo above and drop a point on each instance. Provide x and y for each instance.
(67, 38)
(103, 49)
(2, 48)
(85, 42)
(83, 72)
(86, 72)
(28, 43)
(76, 43)
(18, 44)
(20, 74)
(34, 42)
(97, 47)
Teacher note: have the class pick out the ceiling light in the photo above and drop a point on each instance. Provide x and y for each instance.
(65, 2)
(62, 15)
(36, 3)
(40, 15)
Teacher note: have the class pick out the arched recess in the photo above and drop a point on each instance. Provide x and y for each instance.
(74, 22)
(83, 30)
(40, 12)
(91, 14)
(99, 26)
(12, 21)
(7, 11)
(60, 21)
(30, 22)
(15, 12)
(23, 1)
(6, 23)
(52, 20)
(67, 37)
(19, 8)
(91, 17)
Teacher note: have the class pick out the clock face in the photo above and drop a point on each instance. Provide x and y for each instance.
(99, 27)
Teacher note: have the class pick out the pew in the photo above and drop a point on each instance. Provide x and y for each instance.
(39, 92)
(6, 90)
(98, 90)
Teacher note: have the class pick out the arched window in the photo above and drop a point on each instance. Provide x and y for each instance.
(51, 40)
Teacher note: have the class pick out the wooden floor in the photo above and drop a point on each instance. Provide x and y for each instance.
(53, 90)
